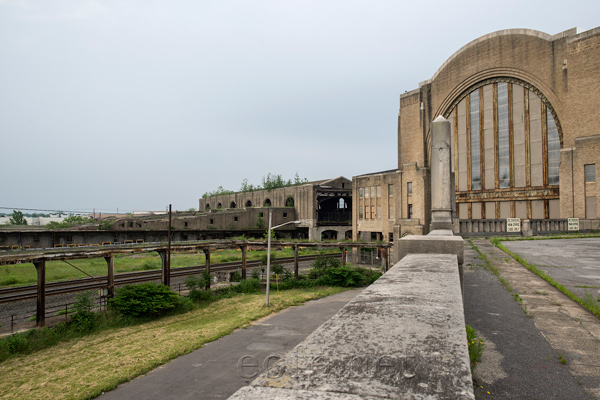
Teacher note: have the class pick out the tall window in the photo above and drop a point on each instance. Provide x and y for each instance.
(391, 190)
(553, 149)
(360, 193)
(360, 212)
(390, 212)
(378, 191)
(475, 143)
(503, 139)
(410, 211)
(367, 192)
(590, 172)
(409, 187)
(373, 191)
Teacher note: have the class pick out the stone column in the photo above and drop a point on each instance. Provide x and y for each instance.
(441, 182)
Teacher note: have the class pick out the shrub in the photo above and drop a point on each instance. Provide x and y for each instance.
(248, 286)
(277, 269)
(195, 282)
(255, 274)
(322, 263)
(145, 299)
(235, 276)
(84, 301)
(200, 295)
(83, 321)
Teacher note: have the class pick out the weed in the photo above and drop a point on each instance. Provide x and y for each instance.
(562, 360)
(476, 346)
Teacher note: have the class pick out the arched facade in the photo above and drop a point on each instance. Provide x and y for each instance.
(522, 107)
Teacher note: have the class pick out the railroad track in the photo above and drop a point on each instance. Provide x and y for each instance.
(12, 294)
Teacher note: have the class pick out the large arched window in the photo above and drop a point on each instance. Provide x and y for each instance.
(506, 149)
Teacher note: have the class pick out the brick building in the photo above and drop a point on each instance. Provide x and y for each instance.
(522, 106)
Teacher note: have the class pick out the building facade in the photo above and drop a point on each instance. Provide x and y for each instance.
(522, 106)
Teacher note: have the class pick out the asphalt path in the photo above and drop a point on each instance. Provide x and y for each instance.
(518, 362)
(220, 368)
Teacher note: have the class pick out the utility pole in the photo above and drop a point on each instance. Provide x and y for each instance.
(168, 274)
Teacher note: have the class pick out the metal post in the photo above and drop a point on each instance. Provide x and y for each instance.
(110, 261)
(40, 316)
(296, 269)
(243, 262)
(168, 269)
(269, 255)
(207, 254)
(163, 259)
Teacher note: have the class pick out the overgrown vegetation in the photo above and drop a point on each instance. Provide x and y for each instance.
(17, 218)
(269, 182)
(147, 300)
(69, 222)
(476, 346)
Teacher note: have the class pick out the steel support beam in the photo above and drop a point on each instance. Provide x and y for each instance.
(40, 317)
(110, 261)
(296, 269)
(207, 254)
(243, 261)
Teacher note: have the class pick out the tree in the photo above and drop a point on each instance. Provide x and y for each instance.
(17, 218)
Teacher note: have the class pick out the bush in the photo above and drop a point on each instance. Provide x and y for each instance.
(235, 276)
(84, 301)
(345, 276)
(83, 321)
(277, 269)
(195, 282)
(145, 299)
(323, 262)
(255, 274)
(248, 286)
(9, 280)
(199, 295)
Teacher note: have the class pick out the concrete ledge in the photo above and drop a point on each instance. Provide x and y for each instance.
(402, 338)
(436, 242)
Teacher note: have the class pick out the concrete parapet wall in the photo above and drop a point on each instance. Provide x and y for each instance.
(401, 338)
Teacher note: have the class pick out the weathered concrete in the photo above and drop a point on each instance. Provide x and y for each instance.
(441, 179)
(436, 242)
(403, 337)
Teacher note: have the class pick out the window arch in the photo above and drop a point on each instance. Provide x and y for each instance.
(232, 205)
(207, 207)
(289, 202)
(219, 205)
(506, 150)
(267, 203)
(248, 203)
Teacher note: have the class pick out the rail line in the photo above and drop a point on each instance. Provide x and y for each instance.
(13, 294)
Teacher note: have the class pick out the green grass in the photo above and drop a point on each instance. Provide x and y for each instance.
(25, 274)
(85, 367)
(588, 302)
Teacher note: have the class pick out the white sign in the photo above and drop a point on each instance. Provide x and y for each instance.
(513, 224)
(573, 224)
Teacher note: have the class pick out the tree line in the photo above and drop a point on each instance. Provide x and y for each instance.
(269, 182)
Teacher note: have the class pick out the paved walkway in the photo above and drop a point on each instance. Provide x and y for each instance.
(220, 368)
(525, 342)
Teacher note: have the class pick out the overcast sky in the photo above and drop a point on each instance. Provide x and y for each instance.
(138, 104)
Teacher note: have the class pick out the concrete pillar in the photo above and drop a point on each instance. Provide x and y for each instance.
(40, 316)
(110, 261)
(243, 262)
(441, 182)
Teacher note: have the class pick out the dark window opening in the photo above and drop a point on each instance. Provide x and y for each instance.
(235, 219)
(219, 205)
(260, 214)
(130, 224)
(207, 207)
(211, 221)
(248, 203)
(267, 203)
(410, 211)
(232, 205)
(185, 224)
(284, 215)
(184, 237)
(289, 202)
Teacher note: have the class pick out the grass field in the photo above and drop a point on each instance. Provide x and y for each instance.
(25, 274)
(85, 367)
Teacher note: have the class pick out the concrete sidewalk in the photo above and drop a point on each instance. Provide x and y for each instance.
(220, 368)
(526, 341)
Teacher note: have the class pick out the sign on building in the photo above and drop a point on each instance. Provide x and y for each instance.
(573, 224)
(513, 224)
